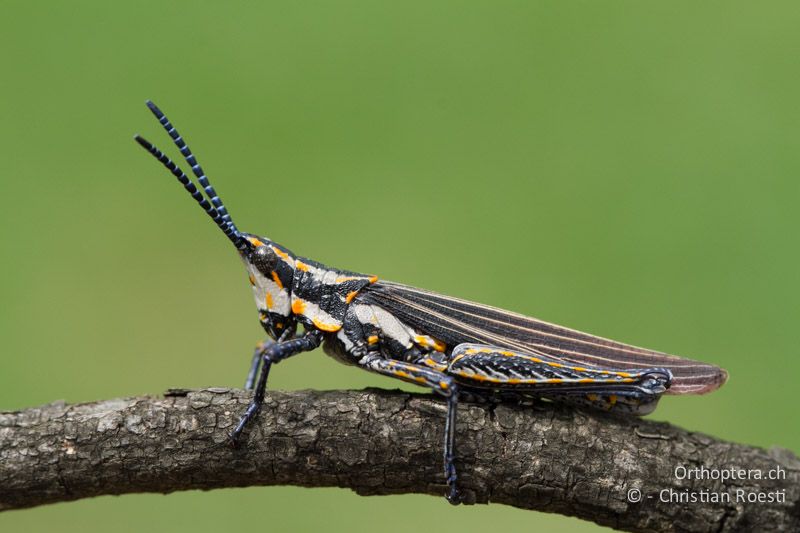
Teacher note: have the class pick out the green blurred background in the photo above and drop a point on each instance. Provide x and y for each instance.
(626, 168)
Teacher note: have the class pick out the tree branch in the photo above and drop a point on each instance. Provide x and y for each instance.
(547, 457)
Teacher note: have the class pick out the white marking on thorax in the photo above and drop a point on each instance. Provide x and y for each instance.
(278, 301)
(317, 316)
(388, 324)
(326, 277)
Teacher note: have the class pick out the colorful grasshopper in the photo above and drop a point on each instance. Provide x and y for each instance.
(457, 348)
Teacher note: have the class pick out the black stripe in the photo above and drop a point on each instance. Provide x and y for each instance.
(455, 321)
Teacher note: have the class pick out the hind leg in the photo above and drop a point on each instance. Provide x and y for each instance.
(442, 384)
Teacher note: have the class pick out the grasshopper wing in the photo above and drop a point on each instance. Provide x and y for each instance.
(455, 321)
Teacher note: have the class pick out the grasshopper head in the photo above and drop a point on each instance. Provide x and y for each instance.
(270, 267)
(271, 271)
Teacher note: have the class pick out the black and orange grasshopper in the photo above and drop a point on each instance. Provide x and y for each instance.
(460, 349)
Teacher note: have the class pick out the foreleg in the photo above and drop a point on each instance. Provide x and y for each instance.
(258, 355)
(274, 353)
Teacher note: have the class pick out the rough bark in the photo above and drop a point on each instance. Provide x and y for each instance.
(548, 457)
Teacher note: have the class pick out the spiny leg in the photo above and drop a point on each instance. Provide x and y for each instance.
(498, 367)
(525, 375)
(274, 353)
(449, 446)
(442, 384)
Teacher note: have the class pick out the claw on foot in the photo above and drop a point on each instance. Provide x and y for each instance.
(454, 497)
(233, 440)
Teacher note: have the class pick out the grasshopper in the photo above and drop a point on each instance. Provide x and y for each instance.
(461, 350)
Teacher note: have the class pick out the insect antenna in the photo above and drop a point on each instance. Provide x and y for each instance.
(225, 225)
(192, 160)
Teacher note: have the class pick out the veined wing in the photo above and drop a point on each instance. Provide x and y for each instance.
(453, 321)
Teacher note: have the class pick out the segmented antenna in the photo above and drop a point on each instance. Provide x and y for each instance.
(226, 227)
(217, 211)
(190, 158)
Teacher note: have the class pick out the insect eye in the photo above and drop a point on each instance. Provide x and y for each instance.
(264, 259)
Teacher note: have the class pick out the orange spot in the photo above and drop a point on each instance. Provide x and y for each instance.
(277, 280)
(623, 374)
(262, 317)
(578, 369)
(255, 242)
(350, 296)
(268, 299)
(586, 380)
(252, 279)
(479, 377)
(554, 381)
(326, 327)
(458, 357)
(429, 342)
(372, 339)
(280, 252)
(514, 381)
(555, 365)
(434, 364)
(402, 374)
(298, 307)
(373, 279)
(420, 379)
(443, 384)
(301, 266)
(612, 399)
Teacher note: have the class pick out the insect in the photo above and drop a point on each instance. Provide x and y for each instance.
(461, 350)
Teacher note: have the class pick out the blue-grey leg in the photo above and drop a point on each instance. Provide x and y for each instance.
(255, 363)
(449, 447)
(258, 354)
(442, 384)
(274, 353)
